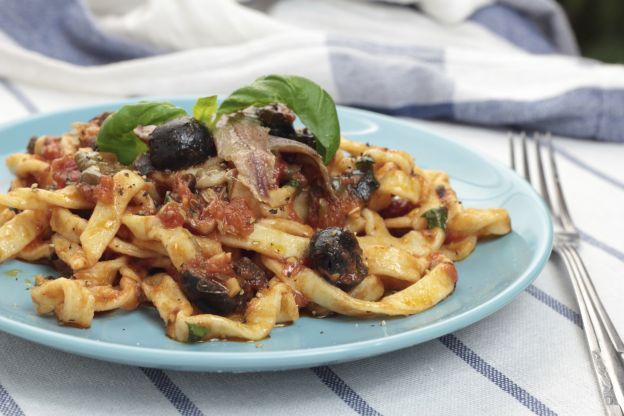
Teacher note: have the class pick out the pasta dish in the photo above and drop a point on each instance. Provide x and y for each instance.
(231, 220)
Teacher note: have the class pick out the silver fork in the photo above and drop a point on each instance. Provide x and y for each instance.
(606, 348)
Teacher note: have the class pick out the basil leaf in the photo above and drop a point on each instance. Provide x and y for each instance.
(196, 332)
(314, 106)
(204, 110)
(436, 217)
(116, 134)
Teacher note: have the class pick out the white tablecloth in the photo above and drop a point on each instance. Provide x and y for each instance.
(530, 357)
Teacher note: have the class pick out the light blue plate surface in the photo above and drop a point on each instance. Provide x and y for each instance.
(491, 277)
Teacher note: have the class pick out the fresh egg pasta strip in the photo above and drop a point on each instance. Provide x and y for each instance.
(480, 222)
(36, 250)
(38, 199)
(71, 227)
(260, 317)
(72, 303)
(6, 214)
(18, 232)
(106, 218)
(370, 289)
(24, 164)
(269, 241)
(432, 288)
(391, 261)
(126, 296)
(102, 273)
(179, 243)
(70, 252)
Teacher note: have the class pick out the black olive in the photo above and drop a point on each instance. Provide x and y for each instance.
(143, 164)
(31, 145)
(365, 181)
(279, 119)
(180, 143)
(335, 253)
(209, 294)
(305, 136)
(251, 276)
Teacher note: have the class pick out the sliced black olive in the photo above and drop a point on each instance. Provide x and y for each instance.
(180, 143)
(209, 293)
(279, 119)
(251, 276)
(366, 183)
(143, 164)
(335, 253)
(306, 137)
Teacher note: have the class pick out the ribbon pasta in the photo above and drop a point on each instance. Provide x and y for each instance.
(131, 244)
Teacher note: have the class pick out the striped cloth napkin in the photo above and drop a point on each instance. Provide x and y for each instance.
(528, 358)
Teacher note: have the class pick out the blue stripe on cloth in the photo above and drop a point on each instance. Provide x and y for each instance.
(583, 112)
(584, 165)
(514, 26)
(65, 30)
(563, 310)
(178, 399)
(346, 393)
(19, 96)
(602, 245)
(8, 407)
(453, 343)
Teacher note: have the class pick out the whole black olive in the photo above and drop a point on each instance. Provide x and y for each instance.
(335, 253)
(180, 143)
(209, 294)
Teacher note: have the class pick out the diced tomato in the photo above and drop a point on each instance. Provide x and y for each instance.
(218, 264)
(51, 148)
(64, 171)
(325, 214)
(171, 215)
(234, 217)
(104, 190)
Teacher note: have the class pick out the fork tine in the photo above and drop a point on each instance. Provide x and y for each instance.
(512, 153)
(542, 178)
(525, 159)
(563, 207)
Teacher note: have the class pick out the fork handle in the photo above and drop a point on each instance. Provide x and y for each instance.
(606, 361)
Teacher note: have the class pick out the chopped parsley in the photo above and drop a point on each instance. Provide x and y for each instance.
(196, 332)
(436, 217)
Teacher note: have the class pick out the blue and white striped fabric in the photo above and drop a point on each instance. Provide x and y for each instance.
(489, 65)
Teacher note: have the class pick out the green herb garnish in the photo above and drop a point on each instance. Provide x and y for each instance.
(205, 109)
(116, 135)
(196, 332)
(314, 106)
(436, 217)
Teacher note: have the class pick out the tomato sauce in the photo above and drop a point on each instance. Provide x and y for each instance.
(171, 215)
(214, 265)
(103, 191)
(64, 171)
(51, 148)
(234, 217)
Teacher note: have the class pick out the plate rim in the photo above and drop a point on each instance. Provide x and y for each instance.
(299, 358)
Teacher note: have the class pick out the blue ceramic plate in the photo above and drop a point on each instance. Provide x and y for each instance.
(491, 277)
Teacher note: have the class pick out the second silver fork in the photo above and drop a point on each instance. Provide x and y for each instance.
(605, 346)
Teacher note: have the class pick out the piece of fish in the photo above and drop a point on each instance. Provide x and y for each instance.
(244, 142)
